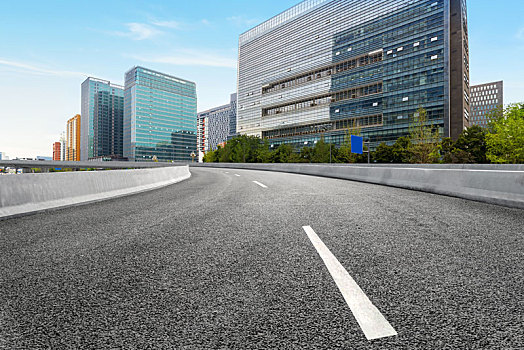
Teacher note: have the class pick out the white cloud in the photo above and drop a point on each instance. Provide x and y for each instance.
(191, 57)
(167, 24)
(139, 31)
(242, 21)
(41, 71)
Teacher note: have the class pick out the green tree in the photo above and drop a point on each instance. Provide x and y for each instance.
(494, 115)
(321, 151)
(282, 154)
(446, 148)
(505, 141)
(424, 139)
(211, 157)
(471, 147)
(306, 155)
(402, 151)
(383, 154)
(244, 148)
(263, 152)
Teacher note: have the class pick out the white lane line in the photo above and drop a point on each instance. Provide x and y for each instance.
(227, 172)
(371, 321)
(237, 175)
(260, 184)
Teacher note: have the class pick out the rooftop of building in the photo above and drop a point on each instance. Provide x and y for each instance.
(164, 75)
(283, 17)
(107, 82)
(215, 109)
(500, 82)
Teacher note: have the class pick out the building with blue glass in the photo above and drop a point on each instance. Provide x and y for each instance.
(324, 67)
(91, 92)
(160, 116)
(108, 125)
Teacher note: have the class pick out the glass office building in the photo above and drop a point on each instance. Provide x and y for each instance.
(160, 117)
(326, 66)
(90, 88)
(485, 98)
(108, 126)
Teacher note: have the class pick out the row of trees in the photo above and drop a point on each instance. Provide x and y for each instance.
(501, 142)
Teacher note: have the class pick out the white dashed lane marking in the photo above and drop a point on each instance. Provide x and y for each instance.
(260, 184)
(371, 321)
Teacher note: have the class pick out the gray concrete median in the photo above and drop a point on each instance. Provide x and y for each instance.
(30, 193)
(495, 184)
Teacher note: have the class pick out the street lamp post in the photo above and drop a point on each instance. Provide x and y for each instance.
(369, 150)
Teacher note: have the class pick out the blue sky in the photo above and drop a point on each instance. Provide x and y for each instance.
(47, 48)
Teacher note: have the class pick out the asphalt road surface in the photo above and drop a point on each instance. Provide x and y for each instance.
(222, 262)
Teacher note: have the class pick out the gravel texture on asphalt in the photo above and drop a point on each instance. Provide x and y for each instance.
(218, 262)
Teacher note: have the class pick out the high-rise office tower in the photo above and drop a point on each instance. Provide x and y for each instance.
(73, 151)
(159, 116)
(325, 66)
(485, 98)
(215, 125)
(91, 89)
(57, 147)
(108, 126)
(232, 116)
(202, 135)
(63, 142)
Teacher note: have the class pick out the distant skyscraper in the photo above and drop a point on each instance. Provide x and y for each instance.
(57, 151)
(91, 88)
(324, 66)
(233, 116)
(214, 125)
(1, 156)
(484, 99)
(108, 125)
(159, 116)
(73, 139)
(63, 142)
(202, 135)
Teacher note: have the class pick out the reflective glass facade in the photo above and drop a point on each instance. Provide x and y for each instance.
(90, 88)
(160, 118)
(325, 66)
(108, 125)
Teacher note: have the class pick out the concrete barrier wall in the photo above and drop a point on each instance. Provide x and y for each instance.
(29, 193)
(495, 184)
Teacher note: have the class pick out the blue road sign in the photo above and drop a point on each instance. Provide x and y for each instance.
(357, 144)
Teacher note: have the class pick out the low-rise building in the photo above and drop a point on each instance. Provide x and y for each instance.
(57, 147)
